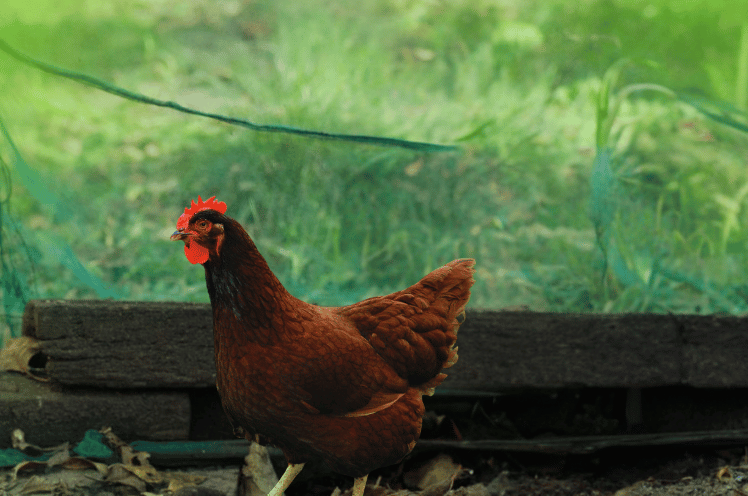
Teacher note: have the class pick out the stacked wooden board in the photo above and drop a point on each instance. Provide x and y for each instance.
(139, 366)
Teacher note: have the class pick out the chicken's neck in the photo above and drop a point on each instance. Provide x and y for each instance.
(248, 300)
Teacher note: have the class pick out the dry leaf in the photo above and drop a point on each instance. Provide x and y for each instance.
(58, 458)
(27, 465)
(439, 470)
(145, 473)
(135, 462)
(178, 480)
(132, 457)
(257, 476)
(724, 474)
(38, 485)
(18, 441)
(78, 463)
(111, 438)
(17, 353)
(118, 474)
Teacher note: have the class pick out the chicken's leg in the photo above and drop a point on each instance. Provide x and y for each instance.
(359, 486)
(287, 478)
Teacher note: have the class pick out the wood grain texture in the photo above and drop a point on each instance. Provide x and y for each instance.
(714, 350)
(124, 344)
(509, 350)
(51, 415)
(143, 344)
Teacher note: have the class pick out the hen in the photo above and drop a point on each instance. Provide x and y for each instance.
(341, 384)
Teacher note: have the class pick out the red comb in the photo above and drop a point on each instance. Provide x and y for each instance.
(209, 204)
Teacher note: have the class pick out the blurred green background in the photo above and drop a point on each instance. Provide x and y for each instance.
(647, 215)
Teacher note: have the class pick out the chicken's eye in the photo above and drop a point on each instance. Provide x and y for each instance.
(202, 224)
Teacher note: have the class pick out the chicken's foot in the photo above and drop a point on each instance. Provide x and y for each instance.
(286, 479)
(359, 486)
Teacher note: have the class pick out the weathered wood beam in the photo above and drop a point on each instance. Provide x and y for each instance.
(147, 344)
(508, 350)
(51, 415)
(124, 344)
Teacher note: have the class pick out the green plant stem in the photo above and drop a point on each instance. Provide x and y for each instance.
(741, 83)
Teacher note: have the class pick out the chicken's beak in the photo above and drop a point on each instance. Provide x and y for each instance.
(180, 235)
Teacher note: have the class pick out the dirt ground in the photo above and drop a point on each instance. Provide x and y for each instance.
(640, 472)
(635, 473)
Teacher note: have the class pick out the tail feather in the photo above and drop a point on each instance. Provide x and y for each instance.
(415, 330)
(429, 387)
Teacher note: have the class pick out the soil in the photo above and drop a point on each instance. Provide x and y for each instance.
(664, 473)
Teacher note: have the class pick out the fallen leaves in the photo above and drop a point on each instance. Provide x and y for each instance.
(133, 468)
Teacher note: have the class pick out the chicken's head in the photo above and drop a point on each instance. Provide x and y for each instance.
(199, 229)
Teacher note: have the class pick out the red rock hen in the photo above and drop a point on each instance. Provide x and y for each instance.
(343, 384)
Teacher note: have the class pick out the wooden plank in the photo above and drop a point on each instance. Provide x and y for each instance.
(124, 344)
(714, 349)
(50, 415)
(167, 344)
(510, 350)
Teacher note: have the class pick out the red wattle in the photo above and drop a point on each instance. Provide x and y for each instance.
(196, 254)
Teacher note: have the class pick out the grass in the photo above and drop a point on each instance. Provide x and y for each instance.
(515, 84)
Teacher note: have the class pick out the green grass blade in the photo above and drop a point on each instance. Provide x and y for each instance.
(722, 112)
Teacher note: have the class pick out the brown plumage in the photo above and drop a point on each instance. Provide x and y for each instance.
(343, 384)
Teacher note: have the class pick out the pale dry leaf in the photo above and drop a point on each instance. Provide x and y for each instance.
(146, 473)
(439, 470)
(724, 474)
(258, 474)
(119, 474)
(178, 480)
(17, 353)
(58, 458)
(38, 485)
(18, 441)
(135, 462)
(131, 457)
(111, 438)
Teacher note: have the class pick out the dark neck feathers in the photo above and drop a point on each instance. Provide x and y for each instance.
(248, 300)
